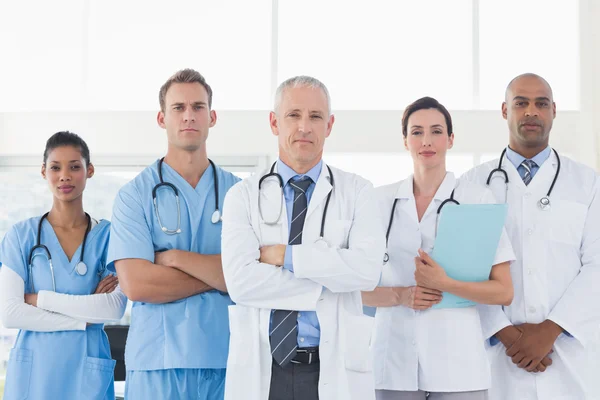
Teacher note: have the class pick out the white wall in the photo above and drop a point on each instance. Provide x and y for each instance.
(248, 133)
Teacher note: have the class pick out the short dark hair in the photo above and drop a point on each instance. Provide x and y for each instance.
(187, 75)
(66, 138)
(425, 103)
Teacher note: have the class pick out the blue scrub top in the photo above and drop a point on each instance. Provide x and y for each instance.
(191, 332)
(65, 364)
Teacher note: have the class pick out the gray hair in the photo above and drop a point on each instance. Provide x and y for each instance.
(301, 81)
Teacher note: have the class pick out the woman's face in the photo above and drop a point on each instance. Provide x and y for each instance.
(66, 172)
(427, 138)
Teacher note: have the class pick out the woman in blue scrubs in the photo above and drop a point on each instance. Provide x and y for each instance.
(56, 289)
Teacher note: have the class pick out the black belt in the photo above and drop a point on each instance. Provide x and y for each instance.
(307, 355)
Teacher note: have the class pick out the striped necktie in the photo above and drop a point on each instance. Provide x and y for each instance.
(528, 166)
(284, 333)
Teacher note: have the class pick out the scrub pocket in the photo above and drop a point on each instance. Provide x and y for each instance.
(98, 377)
(18, 374)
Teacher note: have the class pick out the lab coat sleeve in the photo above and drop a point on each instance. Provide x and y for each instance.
(130, 235)
(493, 319)
(577, 311)
(16, 314)
(94, 308)
(250, 282)
(357, 267)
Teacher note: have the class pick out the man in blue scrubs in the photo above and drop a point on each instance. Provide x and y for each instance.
(166, 244)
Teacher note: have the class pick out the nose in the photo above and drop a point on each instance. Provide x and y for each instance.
(531, 110)
(426, 139)
(189, 115)
(304, 125)
(65, 176)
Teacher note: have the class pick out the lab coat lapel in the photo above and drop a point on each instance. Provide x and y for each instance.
(443, 193)
(272, 211)
(543, 178)
(514, 178)
(406, 200)
(322, 189)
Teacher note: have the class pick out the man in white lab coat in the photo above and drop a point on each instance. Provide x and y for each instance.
(300, 241)
(538, 343)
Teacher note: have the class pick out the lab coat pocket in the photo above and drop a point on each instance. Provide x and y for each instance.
(566, 221)
(98, 375)
(357, 334)
(337, 233)
(242, 326)
(18, 374)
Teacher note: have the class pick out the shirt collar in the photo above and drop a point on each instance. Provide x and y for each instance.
(516, 159)
(288, 173)
(406, 188)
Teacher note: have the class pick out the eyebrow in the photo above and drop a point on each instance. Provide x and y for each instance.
(196, 103)
(58, 162)
(536, 99)
(432, 126)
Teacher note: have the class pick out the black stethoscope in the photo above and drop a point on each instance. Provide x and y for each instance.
(451, 199)
(81, 268)
(280, 179)
(544, 202)
(216, 216)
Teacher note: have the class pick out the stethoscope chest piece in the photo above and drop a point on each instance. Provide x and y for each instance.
(544, 203)
(81, 268)
(216, 217)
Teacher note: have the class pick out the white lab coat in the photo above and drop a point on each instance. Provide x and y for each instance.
(556, 275)
(328, 277)
(435, 350)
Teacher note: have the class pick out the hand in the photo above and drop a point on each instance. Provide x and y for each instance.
(274, 255)
(166, 258)
(107, 285)
(509, 335)
(429, 274)
(31, 299)
(418, 297)
(534, 346)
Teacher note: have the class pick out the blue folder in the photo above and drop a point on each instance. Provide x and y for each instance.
(466, 244)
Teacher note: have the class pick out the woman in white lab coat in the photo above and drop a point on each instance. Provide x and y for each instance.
(419, 351)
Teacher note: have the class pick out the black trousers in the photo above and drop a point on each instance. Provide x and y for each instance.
(295, 382)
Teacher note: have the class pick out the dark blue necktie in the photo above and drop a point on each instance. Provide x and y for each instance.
(284, 332)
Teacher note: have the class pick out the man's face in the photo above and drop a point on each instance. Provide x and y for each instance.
(530, 111)
(187, 117)
(301, 123)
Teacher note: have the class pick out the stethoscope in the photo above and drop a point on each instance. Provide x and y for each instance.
(81, 268)
(544, 202)
(280, 181)
(451, 199)
(216, 216)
